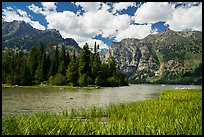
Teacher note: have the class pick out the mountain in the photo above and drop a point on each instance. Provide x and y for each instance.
(167, 57)
(21, 35)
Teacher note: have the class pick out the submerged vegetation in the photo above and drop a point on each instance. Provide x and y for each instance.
(54, 66)
(176, 112)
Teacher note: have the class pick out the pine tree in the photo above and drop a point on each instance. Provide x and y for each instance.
(95, 67)
(54, 59)
(27, 78)
(6, 65)
(19, 68)
(72, 71)
(32, 61)
(40, 74)
(111, 66)
(84, 61)
(62, 66)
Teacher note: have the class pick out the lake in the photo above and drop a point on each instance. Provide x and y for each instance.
(23, 100)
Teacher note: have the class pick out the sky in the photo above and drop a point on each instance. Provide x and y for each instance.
(106, 22)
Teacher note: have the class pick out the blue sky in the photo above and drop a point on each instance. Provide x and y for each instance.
(106, 22)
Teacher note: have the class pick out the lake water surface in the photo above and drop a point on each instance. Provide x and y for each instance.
(23, 100)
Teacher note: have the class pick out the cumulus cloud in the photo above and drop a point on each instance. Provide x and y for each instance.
(152, 12)
(97, 19)
(122, 5)
(183, 18)
(100, 18)
(22, 13)
(47, 8)
(10, 14)
(179, 18)
(85, 27)
(89, 6)
(134, 31)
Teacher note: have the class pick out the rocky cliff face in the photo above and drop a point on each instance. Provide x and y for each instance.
(159, 58)
(21, 35)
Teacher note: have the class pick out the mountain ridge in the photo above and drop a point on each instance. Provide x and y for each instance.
(22, 35)
(165, 57)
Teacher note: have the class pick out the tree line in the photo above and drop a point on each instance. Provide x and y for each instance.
(55, 66)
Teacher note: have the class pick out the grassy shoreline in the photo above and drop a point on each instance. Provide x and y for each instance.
(176, 112)
(50, 86)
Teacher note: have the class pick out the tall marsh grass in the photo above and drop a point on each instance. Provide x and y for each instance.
(177, 112)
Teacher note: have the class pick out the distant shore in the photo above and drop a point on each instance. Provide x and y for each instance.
(51, 86)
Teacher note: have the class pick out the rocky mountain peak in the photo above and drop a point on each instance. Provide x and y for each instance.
(22, 35)
(166, 55)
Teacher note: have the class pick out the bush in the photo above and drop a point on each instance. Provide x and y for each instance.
(113, 82)
(59, 80)
(83, 80)
(98, 81)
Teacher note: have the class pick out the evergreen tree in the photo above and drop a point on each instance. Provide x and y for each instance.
(19, 68)
(111, 66)
(40, 74)
(54, 59)
(27, 78)
(95, 67)
(72, 71)
(67, 58)
(32, 62)
(84, 61)
(62, 66)
(6, 66)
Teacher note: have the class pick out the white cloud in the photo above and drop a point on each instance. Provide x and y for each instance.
(37, 25)
(134, 31)
(183, 18)
(122, 5)
(152, 12)
(105, 7)
(9, 8)
(35, 9)
(97, 19)
(22, 13)
(11, 15)
(88, 25)
(48, 8)
(89, 6)
(91, 43)
(186, 16)
(83, 28)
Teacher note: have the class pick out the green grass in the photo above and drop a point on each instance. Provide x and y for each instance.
(50, 86)
(176, 112)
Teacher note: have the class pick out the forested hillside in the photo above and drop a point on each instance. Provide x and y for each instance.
(56, 66)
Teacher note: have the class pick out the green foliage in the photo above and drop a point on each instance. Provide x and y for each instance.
(40, 73)
(84, 61)
(56, 67)
(113, 81)
(83, 80)
(59, 80)
(98, 81)
(72, 73)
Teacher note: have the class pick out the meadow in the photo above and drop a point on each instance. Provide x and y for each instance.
(176, 112)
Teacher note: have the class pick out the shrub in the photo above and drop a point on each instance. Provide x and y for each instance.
(83, 80)
(59, 79)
